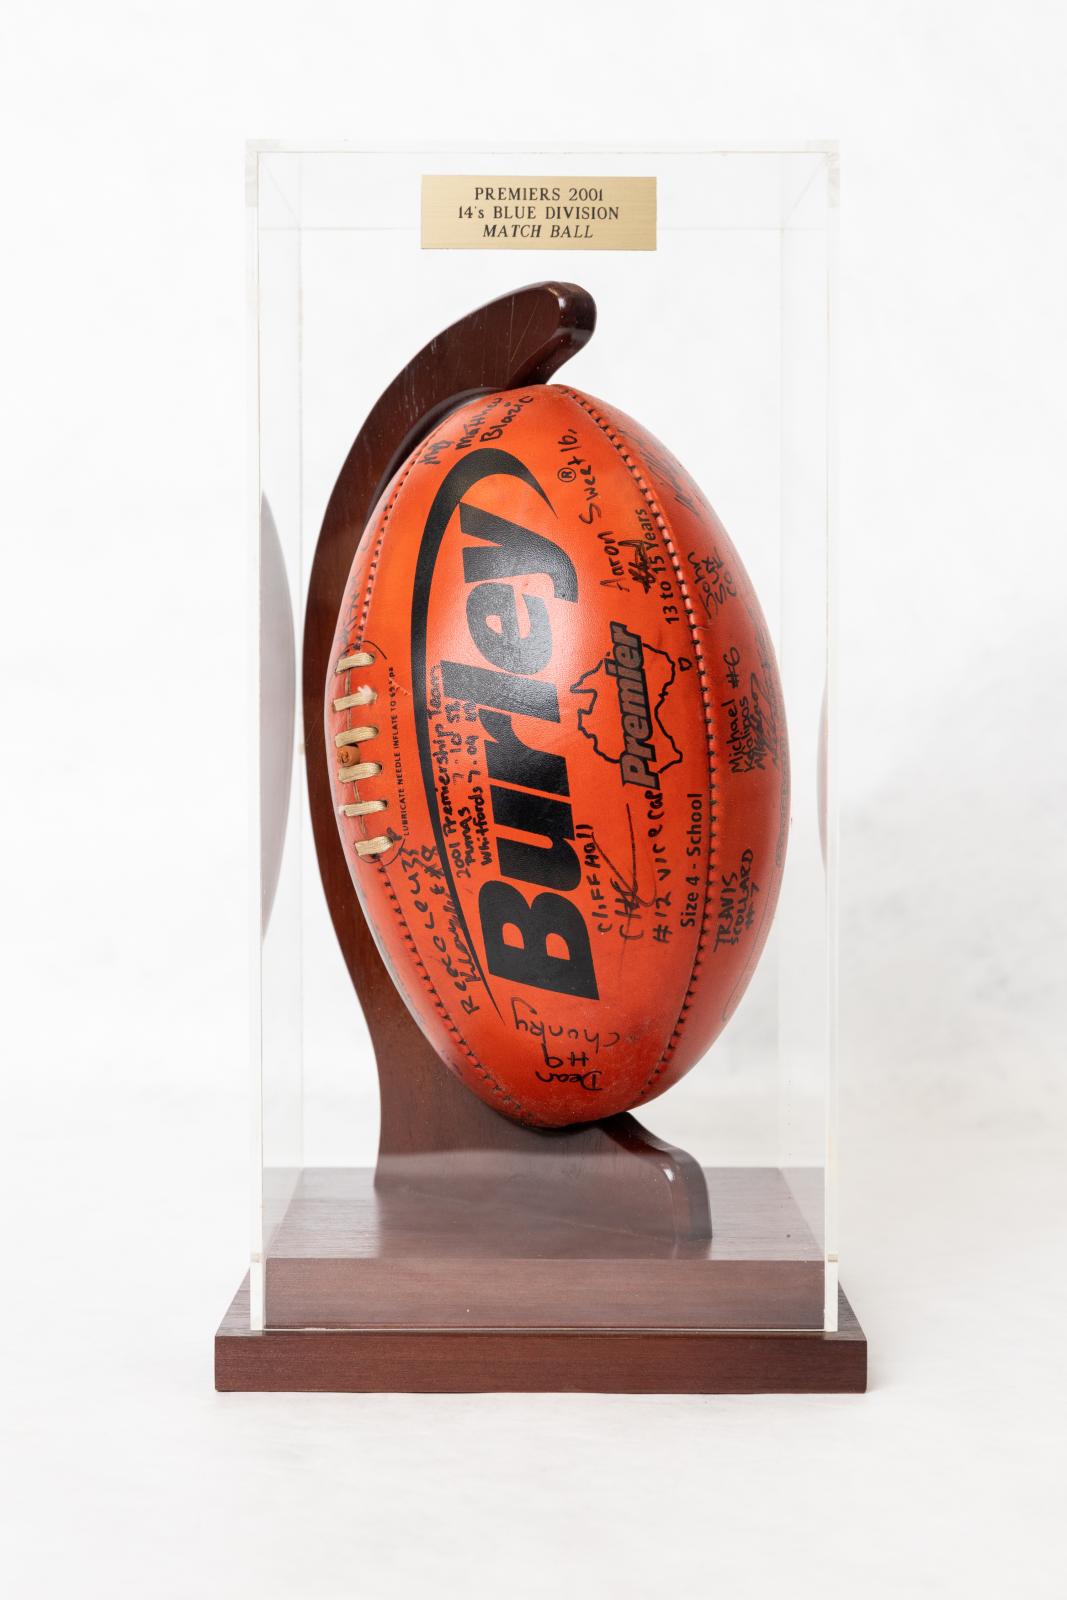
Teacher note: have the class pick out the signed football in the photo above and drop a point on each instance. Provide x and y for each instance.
(559, 755)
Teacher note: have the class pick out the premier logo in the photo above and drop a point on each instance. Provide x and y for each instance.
(626, 728)
(626, 666)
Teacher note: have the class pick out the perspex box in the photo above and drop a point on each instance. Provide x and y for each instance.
(719, 340)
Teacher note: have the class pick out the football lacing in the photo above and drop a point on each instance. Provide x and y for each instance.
(351, 769)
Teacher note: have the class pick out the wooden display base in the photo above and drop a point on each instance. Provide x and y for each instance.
(487, 1360)
(395, 1290)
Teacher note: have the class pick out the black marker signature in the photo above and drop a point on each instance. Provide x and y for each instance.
(625, 888)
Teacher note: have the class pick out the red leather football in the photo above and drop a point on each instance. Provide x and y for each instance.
(560, 757)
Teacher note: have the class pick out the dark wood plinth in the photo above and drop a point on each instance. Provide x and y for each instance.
(490, 1360)
(398, 1291)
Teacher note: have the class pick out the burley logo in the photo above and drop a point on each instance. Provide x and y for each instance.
(626, 694)
(543, 941)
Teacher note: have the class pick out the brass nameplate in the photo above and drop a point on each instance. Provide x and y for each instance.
(490, 213)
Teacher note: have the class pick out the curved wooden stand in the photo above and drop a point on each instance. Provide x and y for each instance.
(435, 1135)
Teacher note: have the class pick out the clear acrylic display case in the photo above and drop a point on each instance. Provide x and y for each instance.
(719, 340)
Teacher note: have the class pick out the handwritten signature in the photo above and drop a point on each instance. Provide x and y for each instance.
(629, 899)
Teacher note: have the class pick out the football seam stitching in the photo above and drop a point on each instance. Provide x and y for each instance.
(372, 570)
(668, 538)
(359, 631)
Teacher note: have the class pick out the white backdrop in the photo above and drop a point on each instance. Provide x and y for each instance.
(124, 807)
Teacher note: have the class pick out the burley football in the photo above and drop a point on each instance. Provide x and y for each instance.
(559, 755)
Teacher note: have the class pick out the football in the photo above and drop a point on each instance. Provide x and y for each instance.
(559, 755)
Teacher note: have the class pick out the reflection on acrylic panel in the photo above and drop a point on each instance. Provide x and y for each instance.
(277, 689)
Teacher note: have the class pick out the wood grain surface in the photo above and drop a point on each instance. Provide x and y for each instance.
(486, 1360)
